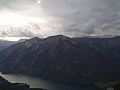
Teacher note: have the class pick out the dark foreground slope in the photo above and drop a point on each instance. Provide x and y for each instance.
(6, 85)
(58, 58)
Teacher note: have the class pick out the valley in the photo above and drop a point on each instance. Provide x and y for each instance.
(63, 59)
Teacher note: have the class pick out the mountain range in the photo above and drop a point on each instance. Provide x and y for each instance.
(64, 59)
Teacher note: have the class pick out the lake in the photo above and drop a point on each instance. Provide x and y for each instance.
(40, 83)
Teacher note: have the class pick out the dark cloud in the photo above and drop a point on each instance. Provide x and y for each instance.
(69, 17)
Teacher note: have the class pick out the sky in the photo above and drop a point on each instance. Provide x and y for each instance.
(43, 18)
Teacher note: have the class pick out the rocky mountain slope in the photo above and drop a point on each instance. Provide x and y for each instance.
(58, 58)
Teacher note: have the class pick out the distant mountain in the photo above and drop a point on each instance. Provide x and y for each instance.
(22, 40)
(59, 58)
(5, 44)
(110, 47)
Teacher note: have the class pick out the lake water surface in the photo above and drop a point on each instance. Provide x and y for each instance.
(40, 83)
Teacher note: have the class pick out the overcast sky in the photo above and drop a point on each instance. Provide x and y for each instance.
(30, 18)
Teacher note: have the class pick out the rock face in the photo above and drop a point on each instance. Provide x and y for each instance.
(59, 58)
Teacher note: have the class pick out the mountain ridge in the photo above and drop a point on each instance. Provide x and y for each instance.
(58, 58)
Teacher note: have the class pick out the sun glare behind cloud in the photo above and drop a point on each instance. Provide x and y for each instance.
(13, 25)
(39, 2)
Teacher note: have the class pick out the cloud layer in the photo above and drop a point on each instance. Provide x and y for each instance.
(68, 17)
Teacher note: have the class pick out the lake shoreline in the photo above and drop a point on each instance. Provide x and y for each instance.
(40, 83)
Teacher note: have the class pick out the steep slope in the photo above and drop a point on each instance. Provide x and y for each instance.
(58, 58)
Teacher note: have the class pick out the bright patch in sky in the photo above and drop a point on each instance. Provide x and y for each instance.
(18, 19)
(14, 26)
(39, 2)
(12, 38)
(12, 19)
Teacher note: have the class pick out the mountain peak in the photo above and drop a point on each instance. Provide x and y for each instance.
(59, 37)
(34, 39)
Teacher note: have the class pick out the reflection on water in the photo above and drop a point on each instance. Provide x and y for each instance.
(39, 83)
